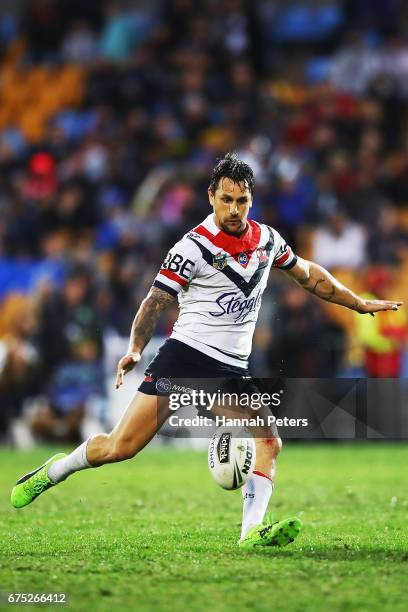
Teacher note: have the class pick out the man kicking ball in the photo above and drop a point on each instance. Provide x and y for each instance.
(218, 271)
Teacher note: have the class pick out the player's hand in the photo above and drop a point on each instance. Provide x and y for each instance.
(372, 306)
(126, 364)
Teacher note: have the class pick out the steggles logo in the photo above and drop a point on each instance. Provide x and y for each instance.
(231, 303)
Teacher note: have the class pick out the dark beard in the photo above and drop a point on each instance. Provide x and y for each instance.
(237, 232)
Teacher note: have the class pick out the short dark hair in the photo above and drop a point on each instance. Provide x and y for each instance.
(233, 168)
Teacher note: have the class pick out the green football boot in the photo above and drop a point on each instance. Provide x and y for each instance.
(34, 483)
(280, 533)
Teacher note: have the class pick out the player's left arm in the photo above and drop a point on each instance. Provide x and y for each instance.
(318, 281)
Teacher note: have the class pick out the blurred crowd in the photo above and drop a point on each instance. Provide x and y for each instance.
(105, 155)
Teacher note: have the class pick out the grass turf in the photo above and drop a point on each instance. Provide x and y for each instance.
(156, 533)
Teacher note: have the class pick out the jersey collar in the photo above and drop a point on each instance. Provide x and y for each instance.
(214, 229)
(235, 246)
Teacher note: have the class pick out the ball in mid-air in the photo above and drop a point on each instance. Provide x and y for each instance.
(231, 457)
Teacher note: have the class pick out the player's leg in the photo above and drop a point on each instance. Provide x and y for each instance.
(257, 491)
(139, 423)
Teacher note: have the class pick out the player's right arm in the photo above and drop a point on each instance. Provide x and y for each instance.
(142, 329)
(176, 272)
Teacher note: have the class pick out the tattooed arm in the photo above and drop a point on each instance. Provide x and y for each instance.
(142, 329)
(146, 318)
(320, 282)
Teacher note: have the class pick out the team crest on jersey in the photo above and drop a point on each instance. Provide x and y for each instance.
(262, 254)
(219, 261)
(242, 259)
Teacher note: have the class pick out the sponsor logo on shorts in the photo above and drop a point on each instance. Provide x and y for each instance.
(163, 385)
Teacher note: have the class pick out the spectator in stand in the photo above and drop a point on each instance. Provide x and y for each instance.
(305, 344)
(354, 66)
(388, 242)
(68, 315)
(366, 200)
(123, 31)
(80, 44)
(76, 396)
(382, 337)
(41, 180)
(19, 358)
(325, 201)
(292, 195)
(43, 26)
(73, 375)
(339, 243)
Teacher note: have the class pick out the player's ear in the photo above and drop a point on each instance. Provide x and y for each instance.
(211, 197)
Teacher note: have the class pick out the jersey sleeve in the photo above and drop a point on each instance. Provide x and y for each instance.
(179, 267)
(283, 256)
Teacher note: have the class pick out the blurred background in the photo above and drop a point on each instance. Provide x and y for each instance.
(112, 115)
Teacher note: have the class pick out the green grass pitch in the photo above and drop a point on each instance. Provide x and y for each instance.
(156, 533)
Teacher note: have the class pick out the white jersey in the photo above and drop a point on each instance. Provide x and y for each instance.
(219, 280)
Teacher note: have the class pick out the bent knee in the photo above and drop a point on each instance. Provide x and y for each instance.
(121, 449)
(274, 445)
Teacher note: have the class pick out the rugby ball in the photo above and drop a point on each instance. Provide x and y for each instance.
(231, 457)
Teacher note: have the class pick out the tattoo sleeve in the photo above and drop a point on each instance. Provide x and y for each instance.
(322, 284)
(146, 318)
